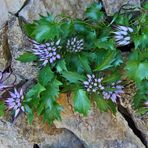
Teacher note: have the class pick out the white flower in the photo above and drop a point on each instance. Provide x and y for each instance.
(122, 35)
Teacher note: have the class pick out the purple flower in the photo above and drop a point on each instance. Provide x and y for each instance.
(75, 45)
(115, 91)
(48, 52)
(14, 102)
(122, 35)
(93, 84)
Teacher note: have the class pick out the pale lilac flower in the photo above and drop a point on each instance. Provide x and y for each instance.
(115, 92)
(48, 52)
(75, 45)
(93, 84)
(14, 102)
(122, 35)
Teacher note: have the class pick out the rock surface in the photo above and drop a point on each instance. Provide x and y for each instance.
(74, 8)
(3, 13)
(113, 6)
(98, 130)
(104, 129)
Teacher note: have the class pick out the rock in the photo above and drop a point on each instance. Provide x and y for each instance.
(113, 6)
(3, 13)
(18, 44)
(10, 138)
(98, 129)
(38, 133)
(35, 7)
(5, 55)
(15, 5)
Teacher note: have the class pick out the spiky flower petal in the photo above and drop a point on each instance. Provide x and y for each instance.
(14, 102)
(48, 52)
(115, 92)
(75, 45)
(93, 84)
(122, 35)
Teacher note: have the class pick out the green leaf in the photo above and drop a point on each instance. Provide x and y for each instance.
(53, 113)
(101, 103)
(113, 77)
(137, 71)
(29, 113)
(45, 75)
(2, 108)
(145, 6)
(107, 61)
(35, 91)
(81, 102)
(141, 111)
(104, 105)
(94, 12)
(73, 77)
(85, 62)
(61, 66)
(27, 57)
(52, 90)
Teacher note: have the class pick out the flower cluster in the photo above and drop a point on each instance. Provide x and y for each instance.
(93, 84)
(48, 52)
(122, 35)
(14, 102)
(75, 45)
(115, 91)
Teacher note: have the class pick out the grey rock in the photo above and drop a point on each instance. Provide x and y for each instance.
(74, 8)
(3, 13)
(14, 6)
(18, 44)
(113, 6)
(98, 130)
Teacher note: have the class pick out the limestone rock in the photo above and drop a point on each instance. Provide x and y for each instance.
(15, 5)
(18, 44)
(5, 55)
(42, 134)
(72, 7)
(98, 129)
(113, 6)
(10, 138)
(3, 13)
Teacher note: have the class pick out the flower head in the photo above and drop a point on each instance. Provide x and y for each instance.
(146, 104)
(14, 102)
(48, 52)
(114, 93)
(75, 45)
(122, 35)
(93, 84)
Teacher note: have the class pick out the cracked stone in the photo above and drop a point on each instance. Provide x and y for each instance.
(35, 7)
(3, 13)
(18, 44)
(14, 5)
(113, 6)
(98, 129)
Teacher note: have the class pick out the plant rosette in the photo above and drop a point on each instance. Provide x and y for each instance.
(84, 57)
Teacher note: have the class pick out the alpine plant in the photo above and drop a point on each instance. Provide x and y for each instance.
(122, 35)
(14, 102)
(48, 52)
(93, 84)
(114, 93)
(75, 45)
